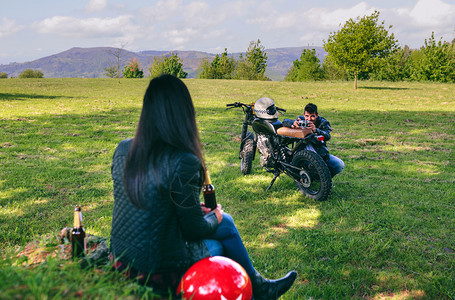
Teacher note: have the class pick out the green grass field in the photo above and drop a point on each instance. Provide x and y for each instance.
(386, 232)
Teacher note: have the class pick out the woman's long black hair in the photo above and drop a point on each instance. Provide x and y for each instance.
(167, 118)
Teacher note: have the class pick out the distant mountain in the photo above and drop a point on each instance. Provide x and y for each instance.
(90, 62)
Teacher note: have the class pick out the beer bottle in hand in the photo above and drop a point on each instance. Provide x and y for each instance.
(78, 241)
(209, 192)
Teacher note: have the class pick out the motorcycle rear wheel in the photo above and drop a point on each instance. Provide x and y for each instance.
(246, 156)
(314, 179)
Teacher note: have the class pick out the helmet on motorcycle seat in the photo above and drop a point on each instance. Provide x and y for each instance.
(264, 108)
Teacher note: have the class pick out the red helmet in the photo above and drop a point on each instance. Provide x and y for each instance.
(215, 277)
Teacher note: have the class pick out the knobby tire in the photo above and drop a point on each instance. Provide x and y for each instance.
(246, 158)
(321, 179)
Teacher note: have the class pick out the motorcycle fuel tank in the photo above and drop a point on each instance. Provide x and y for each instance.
(263, 126)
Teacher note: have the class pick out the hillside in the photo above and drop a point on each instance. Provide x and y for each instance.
(89, 62)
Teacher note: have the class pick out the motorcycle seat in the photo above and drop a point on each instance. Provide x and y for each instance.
(296, 133)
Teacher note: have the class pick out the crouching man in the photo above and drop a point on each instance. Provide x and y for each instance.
(320, 126)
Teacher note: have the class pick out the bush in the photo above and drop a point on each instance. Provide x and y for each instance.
(167, 65)
(396, 67)
(435, 61)
(307, 68)
(252, 66)
(29, 73)
(221, 67)
(132, 70)
(3, 75)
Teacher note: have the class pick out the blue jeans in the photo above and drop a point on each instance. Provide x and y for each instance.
(227, 242)
(334, 164)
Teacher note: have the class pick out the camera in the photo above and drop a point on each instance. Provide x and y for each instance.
(304, 123)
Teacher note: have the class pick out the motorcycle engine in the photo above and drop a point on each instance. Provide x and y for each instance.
(265, 148)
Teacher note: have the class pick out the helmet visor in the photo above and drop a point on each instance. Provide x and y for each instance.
(271, 110)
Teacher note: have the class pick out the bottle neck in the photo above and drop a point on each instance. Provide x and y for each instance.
(207, 180)
(77, 219)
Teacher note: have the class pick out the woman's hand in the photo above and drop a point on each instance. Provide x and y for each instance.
(205, 210)
(219, 213)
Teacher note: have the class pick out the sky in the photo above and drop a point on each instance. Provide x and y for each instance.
(31, 29)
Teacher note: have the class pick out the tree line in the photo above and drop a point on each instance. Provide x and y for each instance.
(361, 49)
(249, 67)
(364, 49)
(29, 73)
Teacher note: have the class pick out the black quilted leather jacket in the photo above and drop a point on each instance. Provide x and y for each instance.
(165, 236)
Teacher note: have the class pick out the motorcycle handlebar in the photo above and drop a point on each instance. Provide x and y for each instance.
(240, 104)
(236, 104)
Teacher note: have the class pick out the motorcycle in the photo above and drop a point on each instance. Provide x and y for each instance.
(284, 150)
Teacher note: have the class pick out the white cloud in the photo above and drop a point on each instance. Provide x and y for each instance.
(434, 13)
(162, 11)
(263, 14)
(8, 27)
(86, 28)
(412, 25)
(179, 37)
(301, 25)
(96, 5)
(287, 20)
(201, 15)
(214, 25)
(309, 22)
(275, 20)
(194, 13)
(331, 19)
(182, 24)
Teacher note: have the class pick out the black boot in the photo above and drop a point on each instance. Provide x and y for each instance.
(265, 289)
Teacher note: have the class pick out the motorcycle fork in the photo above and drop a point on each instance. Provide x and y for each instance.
(243, 135)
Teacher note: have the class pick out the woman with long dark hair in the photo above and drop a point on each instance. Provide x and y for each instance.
(159, 227)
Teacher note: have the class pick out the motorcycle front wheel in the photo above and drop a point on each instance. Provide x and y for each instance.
(311, 176)
(246, 156)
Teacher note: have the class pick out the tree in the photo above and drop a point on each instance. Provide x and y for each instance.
(435, 62)
(114, 68)
(221, 67)
(205, 70)
(306, 68)
(3, 75)
(167, 65)
(132, 70)
(332, 71)
(252, 65)
(111, 71)
(257, 56)
(29, 73)
(396, 67)
(360, 46)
